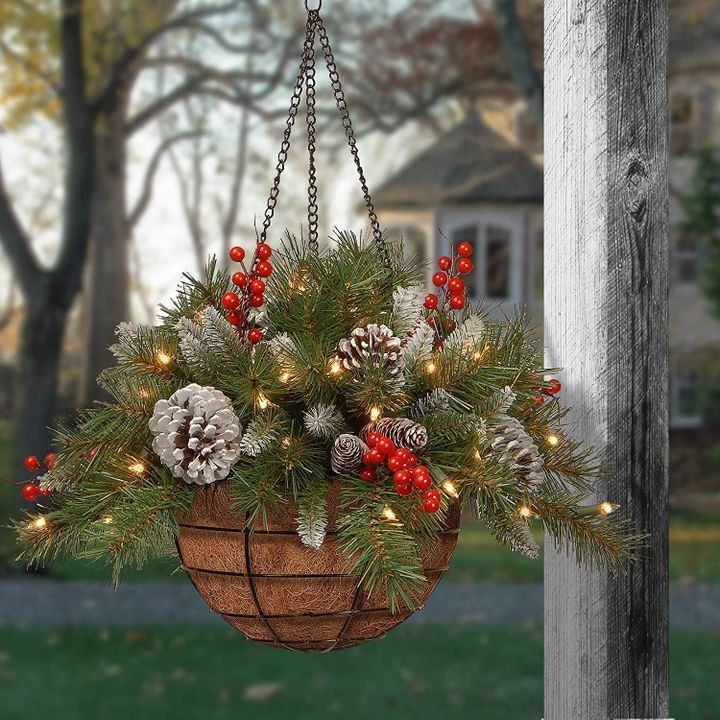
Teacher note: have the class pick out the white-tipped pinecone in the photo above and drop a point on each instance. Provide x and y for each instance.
(404, 432)
(347, 454)
(197, 434)
(375, 342)
(512, 442)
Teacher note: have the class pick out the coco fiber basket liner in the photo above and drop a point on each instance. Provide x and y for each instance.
(277, 591)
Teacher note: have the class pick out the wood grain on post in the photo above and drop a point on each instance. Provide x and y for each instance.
(606, 325)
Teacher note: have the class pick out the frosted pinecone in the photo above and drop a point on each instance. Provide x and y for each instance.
(512, 442)
(404, 432)
(197, 434)
(375, 342)
(347, 454)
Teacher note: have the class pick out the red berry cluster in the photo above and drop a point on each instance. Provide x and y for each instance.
(407, 473)
(250, 291)
(552, 388)
(453, 286)
(30, 491)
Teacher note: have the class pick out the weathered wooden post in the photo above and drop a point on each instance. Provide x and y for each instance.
(606, 323)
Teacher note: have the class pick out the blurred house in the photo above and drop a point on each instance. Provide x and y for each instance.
(481, 182)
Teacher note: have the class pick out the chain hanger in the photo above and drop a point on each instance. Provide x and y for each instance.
(306, 78)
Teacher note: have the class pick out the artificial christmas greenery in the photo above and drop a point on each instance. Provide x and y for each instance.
(330, 364)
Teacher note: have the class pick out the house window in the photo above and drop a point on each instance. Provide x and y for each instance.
(685, 401)
(686, 257)
(493, 257)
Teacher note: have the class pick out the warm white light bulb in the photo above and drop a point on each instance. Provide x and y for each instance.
(524, 512)
(375, 413)
(335, 367)
(107, 520)
(39, 523)
(606, 508)
(163, 358)
(285, 377)
(552, 439)
(262, 402)
(388, 513)
(450, 489)
(137, 468)
(430, 367)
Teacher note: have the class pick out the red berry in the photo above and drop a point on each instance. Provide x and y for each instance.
(367, 474)
(404, 490)
(264, 251)
(257, 300)
(444, 263)
(373, 438)
(255, 336)
(439, 279)
(43, 493)
(403, 453)
(230, 300)
(264, 269)
(431, 301)
(237, 254)
(385, 446)
(402, 477)
(464, 265)
(430, 506)
(456, 286)
(432, 494)
(239, 279)
(31, 463)
(373, 457)
(410, 460)
(234, 318)
(554, 387)
(395, 463)
(257, 287)
(457, 302)
(419, 470)
(465, 249)
(422, 482)
(30, 492)
(539, 400)
(50, 460)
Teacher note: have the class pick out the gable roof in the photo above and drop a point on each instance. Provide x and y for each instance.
(470, 163)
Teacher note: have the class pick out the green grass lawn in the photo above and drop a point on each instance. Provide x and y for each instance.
(213, 673)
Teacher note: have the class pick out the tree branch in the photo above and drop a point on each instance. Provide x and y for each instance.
(148, 182)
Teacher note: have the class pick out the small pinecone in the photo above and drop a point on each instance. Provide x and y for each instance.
(404, 432)
(511, 441)
(347, 454)
(197, 434)
(375, 342)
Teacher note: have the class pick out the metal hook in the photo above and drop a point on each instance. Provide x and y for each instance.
(309, 9)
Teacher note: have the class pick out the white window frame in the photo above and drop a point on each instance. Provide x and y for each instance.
(679, 421)
(452, 220)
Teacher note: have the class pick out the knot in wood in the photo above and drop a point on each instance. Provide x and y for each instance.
(636, 181)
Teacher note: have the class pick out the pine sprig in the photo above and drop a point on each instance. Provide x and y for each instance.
(312, 517)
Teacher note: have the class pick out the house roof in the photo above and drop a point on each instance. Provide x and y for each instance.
(470, 163)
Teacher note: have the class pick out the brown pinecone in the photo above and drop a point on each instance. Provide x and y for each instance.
(375, 342)
(404, 432)
(347, 454)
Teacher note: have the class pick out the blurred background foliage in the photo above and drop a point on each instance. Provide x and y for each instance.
(136, 138)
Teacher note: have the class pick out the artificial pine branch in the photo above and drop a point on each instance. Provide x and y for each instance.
(312, 517)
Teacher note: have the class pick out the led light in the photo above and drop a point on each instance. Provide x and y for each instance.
(163, 358)
(38, 523)
(524, 512)
(606, 508)
(375, 413)
(335, 367)
(137, 468)
(285, 377)
(286, 442)
(388, 513)
(107, 520)
(552, 439)
(450, 489)
(262, 402)
(430, 367)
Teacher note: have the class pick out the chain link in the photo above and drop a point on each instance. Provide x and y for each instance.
(313, 19)
(285, 145)
(342, 106)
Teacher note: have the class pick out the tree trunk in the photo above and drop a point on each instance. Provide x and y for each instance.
(108, 280)
(606, 324)
(38, 362)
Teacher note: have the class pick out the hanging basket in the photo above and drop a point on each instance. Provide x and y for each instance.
(277, 591)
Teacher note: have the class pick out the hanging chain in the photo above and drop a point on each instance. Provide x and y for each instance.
(348, 127)
(306, 75)
(313, 19)
(285, 145)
